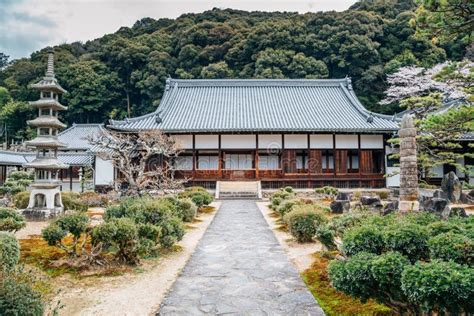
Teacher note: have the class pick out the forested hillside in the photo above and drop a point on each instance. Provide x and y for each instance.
(126, 71)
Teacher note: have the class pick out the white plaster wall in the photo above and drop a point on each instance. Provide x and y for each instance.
(239, 141)
(296, 141)
(184, 163)
(371, 141)
(321, 141)
(347, 141)
(207, 142)
(185, 141)
(394, 180)
(104, 171)
(269, 141)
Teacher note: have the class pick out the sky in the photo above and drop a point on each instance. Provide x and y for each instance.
(29, 25)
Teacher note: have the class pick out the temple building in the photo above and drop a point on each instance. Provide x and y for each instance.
(45, 192)
(304, 133)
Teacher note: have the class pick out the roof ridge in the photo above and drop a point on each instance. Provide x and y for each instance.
(257, 82)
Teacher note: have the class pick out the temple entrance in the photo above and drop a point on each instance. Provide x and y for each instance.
(239, 165)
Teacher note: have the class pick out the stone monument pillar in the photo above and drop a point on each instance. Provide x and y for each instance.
(45, 197)
(408, 166)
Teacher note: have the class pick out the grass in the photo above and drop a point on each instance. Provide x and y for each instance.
(332, 301)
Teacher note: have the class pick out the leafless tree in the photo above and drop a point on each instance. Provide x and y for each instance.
(145, 160)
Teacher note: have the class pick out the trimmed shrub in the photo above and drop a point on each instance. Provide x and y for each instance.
(11, 220)
(441, 227)
(72, 201)
(303, 222)
(288, 189)
(74, 224)
(21, 199)
(198, 195)
(119, 233)
(410, 240)
(452, 246)
(342, 223)
(354, 276)
(149, 231)
(326, 237)
(17, 297)
(17, 181)
(366, 238)
(186, 209)
(328, 190)
(172, 231)
(440, 285)
(387, 271)
(287, 206)
(9, 251)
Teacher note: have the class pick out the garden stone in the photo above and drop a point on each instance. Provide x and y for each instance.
(369, 200)
(343, 196)
(339, 207)
(452, 187)
(453, 212)
(467, 198)
(440, 194)
(4, 202)
(389, 208)
(436, 206)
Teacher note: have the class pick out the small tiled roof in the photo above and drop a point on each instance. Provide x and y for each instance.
(75, 136)
(12, 158)
(231, 105)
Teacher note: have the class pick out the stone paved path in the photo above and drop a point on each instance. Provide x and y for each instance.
(239, 268)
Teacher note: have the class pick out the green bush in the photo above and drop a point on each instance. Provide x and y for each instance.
(366, 238)
(287, 206)
(354, 276)
(21, 199)
(149, 231)
(288, 189)
(328, 190)
(75, 224)
(410, 240)
(342, 223)
(439, 285)
(275, 202)
(72, 201)
(452, 246)
(121, 234)
(9, 251)
(441, 227)
(17, 296)
(187, 210)
(326, 237)
(160, 212)
(198, 195)
(303, 222)
(16, 182)
(281, 195)
(11, 220)
(387, 271)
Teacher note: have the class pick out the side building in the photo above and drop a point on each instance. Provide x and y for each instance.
(304, 133)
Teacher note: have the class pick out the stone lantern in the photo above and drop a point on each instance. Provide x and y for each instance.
(45, 197)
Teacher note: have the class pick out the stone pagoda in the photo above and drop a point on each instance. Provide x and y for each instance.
(408, 166)
(45, 197)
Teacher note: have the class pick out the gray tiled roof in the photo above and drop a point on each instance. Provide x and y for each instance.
(75, 136)
(12, 158)
(228, 105)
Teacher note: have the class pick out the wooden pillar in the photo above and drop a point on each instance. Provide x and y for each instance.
(308, 154)
(358, 153)
(282, 156)
(219, 162)
(70, 178)
(256, 156)
(194, 156)
(334, 154)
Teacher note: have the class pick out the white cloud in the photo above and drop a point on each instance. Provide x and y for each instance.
(29, 25)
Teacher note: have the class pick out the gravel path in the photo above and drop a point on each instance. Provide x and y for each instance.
(239, 268)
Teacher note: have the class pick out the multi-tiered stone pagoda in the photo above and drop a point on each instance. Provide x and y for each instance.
(45, 197)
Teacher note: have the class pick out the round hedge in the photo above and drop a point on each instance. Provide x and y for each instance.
(187, 209)
(365, 238)
(410, 240)
(439, 285)
(17, 297)
(11, 220)
(9, 251)
(303, 222)
(452, 246)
